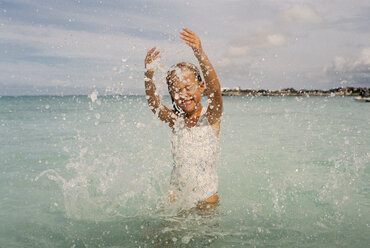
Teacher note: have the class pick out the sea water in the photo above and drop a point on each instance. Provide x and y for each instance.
(92, 171)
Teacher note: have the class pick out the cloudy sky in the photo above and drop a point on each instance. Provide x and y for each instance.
(74, 46)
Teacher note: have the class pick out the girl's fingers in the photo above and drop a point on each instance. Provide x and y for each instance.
(155, 56)
(152, 55)
(191, 43)
(188, 31)
(188, 39)
(190, 36)
(193, 37)
(184, 38)
(186, 34)
(151, 50)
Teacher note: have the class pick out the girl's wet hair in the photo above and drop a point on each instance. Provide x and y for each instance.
(172, 70)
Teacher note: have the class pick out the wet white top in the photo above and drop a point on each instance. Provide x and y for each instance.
(195, 152)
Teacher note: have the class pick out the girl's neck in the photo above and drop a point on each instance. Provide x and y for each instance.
(192, 118)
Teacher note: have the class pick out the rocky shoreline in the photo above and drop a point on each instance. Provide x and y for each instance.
(348, 91)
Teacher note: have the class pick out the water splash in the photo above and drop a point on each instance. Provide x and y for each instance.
(93, 96)
(106, 177)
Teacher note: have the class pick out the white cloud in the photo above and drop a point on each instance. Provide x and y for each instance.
(259, 40)
(361, 63)
(365, 56)
(238, 50)
(354, 70)
(276, 40)
(276, 36)
(224, 62)
(302, 14)
(339, 63)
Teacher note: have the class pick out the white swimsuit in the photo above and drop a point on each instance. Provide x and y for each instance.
(195, 151)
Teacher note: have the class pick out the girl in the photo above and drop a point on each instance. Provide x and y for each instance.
(195, 129)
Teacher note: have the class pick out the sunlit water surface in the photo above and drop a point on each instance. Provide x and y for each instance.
(293, 172)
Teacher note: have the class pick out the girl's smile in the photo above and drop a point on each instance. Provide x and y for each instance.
(186, 90)
(188, 102)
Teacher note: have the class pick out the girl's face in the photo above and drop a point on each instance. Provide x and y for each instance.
(186, 90)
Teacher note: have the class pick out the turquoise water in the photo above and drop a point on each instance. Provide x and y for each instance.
(294, 172)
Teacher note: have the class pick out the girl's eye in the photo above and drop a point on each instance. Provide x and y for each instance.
(187, 88)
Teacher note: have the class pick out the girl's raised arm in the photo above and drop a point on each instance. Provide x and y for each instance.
(212, 84)
(154, 101)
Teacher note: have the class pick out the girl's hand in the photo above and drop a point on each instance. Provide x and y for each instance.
(151, 55)
(192, 40)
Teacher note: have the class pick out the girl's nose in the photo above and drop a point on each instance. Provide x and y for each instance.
(183, 95)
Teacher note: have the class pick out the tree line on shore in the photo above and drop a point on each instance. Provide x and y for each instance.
(340, 91)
